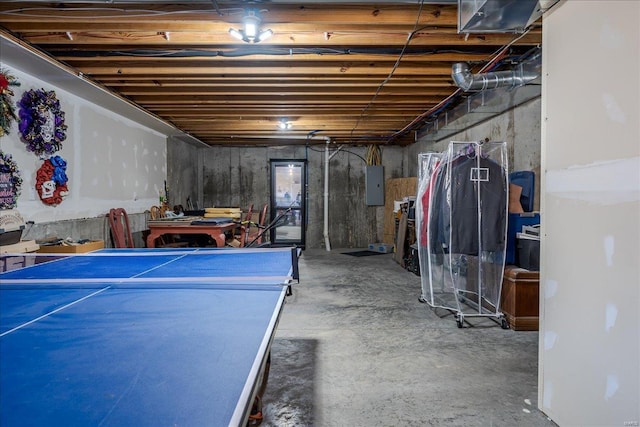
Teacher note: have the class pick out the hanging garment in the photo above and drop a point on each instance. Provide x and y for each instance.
(425, 204)
(466, 189)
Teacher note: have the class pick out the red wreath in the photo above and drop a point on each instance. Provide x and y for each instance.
(50, 191)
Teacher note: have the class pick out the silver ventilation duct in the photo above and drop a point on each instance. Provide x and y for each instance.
(483, 105)
(462, 77)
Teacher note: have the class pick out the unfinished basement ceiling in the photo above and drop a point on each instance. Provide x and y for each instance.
(354, 72)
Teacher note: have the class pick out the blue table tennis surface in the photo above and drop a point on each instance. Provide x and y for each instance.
(139, 337)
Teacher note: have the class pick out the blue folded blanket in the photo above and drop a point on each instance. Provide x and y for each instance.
(215, 221)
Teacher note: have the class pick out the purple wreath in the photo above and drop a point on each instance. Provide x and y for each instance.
(41, 122)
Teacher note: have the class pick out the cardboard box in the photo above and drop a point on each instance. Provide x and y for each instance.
(73, 249)
(22, 246)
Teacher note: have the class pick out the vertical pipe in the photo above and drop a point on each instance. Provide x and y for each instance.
(478, 184)
(326, 196)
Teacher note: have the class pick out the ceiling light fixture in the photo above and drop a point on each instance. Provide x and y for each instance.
(251, 32)
(283, 124)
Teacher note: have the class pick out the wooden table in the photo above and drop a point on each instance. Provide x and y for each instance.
(217, 232)
(10, 258)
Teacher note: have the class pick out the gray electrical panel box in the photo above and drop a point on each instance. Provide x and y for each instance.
(374, 185)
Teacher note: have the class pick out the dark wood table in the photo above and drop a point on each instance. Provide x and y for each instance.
(184, 225)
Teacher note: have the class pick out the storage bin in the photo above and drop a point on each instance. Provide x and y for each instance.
(514, 226)
(528, 256)
(380, 247)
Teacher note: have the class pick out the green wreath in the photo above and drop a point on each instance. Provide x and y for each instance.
(7, 112)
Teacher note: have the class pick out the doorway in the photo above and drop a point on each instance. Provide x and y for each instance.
(288, 202)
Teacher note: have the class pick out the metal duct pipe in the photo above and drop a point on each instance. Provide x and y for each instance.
(463, 78)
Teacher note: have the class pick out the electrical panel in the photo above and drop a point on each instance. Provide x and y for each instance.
(374, 185)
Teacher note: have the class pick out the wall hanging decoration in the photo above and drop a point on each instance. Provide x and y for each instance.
(41, 122)
(51, 181)
(7, 111)
(10, 181)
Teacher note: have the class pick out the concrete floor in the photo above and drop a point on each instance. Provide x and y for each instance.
(355, 347)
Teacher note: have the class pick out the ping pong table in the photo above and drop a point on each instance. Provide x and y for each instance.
(140, 337)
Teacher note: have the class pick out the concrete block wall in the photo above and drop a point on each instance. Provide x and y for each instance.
(185, 170)
(239, 176)
(96, 228)
(519, 127)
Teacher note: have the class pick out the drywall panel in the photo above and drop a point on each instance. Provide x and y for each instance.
(122, 160)
(111, 160)
(590, 276)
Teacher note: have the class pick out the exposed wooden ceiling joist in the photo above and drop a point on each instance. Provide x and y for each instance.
(359, 73)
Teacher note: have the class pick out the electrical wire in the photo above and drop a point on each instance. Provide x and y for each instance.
(341, 151)
(216, 7)
(498, 56)
(250, 50)
(135, 13)
(374, 155)
(127, 13)
(393, 70)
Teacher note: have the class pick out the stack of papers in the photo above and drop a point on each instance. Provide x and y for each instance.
(533, 230)
(529, 232)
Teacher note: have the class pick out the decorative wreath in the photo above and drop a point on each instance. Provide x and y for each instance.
(51, 180)
(10, 181)
(42, 122)
(7, 112)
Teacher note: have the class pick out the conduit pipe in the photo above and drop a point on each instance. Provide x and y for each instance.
(326, 195)
(327, 158)
(463, 78)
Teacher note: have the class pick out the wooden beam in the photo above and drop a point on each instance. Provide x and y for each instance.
(310, 39)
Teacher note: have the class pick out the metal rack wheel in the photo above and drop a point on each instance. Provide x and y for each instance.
(503, 323)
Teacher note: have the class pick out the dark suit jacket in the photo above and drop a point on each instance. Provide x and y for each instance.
(469, 207)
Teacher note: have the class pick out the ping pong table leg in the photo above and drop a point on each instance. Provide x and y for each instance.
(256, 416)
(294, 263)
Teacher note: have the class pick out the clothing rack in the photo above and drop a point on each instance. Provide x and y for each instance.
(462, 221)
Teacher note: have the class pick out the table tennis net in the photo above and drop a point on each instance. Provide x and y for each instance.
(159, 268)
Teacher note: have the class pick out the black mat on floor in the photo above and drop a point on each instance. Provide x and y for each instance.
(362, 253)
